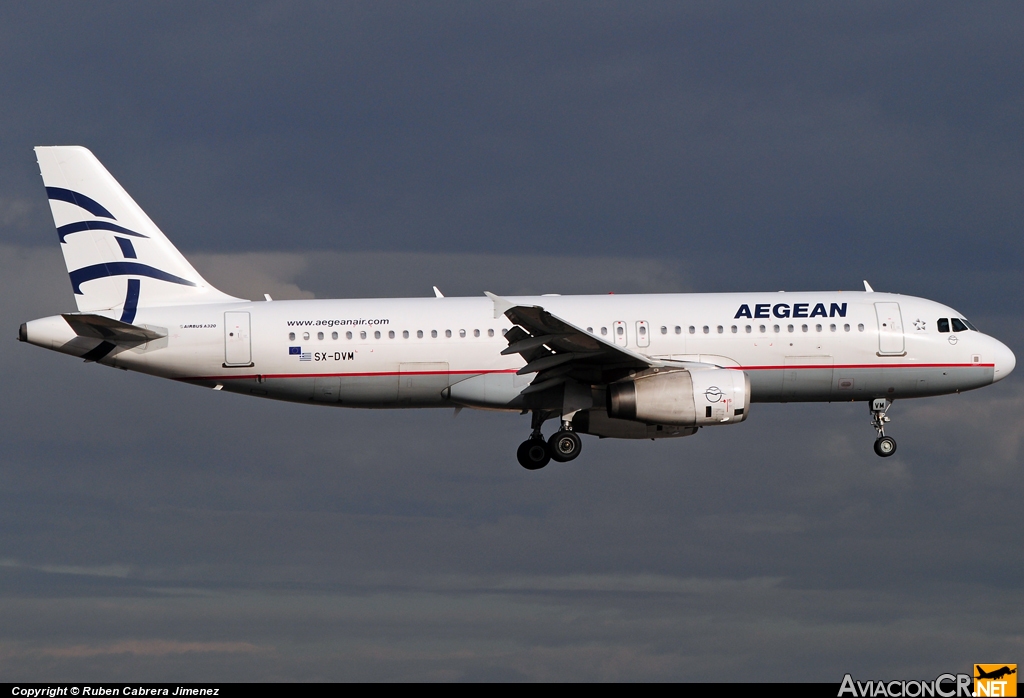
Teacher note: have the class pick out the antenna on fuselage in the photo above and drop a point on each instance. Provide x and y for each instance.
(867, 287)
(437, 292)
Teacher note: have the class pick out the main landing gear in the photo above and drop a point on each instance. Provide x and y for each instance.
(885, 446)
(563, 446)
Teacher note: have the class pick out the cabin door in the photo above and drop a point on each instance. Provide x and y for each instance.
(237, 342)
(890, 328)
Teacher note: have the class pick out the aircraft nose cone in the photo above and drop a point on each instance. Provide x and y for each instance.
(1004, 361)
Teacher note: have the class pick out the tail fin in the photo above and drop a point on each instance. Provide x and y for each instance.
(117, 258)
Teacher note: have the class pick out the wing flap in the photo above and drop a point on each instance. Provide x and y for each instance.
(558, 351)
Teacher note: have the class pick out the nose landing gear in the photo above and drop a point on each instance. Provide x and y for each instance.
(885, 446)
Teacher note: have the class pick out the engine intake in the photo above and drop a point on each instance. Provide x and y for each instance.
(681, 397)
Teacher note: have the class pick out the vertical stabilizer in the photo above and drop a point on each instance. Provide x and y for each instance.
(118, 259)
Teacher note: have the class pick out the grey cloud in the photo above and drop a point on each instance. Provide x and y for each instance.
(331, 274)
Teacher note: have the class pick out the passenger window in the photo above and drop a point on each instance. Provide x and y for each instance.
(643, 331)
(319, 335)
(693, 330)
(291, 336)
(749, 329)
(391, 334)
(707, 330)
(620, 330)
(334, 335)
(846, 328)
(803, 328)
(447, 333)
(721, 329)
(462, 333)
(590, 330)
(348, 335)
(761, 329)
(405, 334)
(789, 327)
(476, 333)
(943, 325)
(604, 330)
(735, 329)
(860, 327)
(305, 335)
(419, 334)
(362, 335)
(679, 330)
(958, 326)
(664, 330)
(490, 333)
(775, 327)
(433, 333)
(832, 327)
(376, 334)
(817, 328)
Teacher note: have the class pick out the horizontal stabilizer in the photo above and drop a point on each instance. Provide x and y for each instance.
(110, 330)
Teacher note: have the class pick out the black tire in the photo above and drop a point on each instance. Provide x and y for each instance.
(533, 454)
(564, 446)
(885, 446)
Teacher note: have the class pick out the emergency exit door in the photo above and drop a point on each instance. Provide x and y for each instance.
(643, 337)
(619, 331)
(237, 344)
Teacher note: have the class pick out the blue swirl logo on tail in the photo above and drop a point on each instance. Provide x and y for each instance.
(80, 200)
(99, 271)
(65, 230)
(109, 269)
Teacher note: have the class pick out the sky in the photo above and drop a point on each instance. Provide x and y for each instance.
(152, 531)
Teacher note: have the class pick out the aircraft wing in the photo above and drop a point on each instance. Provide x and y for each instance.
(557, 351)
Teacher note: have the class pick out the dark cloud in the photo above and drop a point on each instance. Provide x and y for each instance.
(760, 133)
(164, 532)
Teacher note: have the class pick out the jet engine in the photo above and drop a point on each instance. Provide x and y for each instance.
(679, 397)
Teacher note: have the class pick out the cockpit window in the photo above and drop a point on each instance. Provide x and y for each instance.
(958, 325)
(943, 324)
(969, 325)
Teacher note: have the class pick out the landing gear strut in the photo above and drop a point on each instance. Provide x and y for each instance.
(533, 453)
(885, 446)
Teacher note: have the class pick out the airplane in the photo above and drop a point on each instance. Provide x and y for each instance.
(995, 674)
(614, 366)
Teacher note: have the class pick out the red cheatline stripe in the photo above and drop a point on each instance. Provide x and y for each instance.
(343, 375)
(250, 376)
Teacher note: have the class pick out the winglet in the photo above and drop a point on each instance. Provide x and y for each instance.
(437, 293)
(500, 304)
(867, 287)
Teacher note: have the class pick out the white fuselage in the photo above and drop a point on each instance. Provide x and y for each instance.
(422, 352)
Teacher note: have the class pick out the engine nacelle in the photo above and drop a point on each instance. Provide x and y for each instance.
(681, 397)
(598, 423)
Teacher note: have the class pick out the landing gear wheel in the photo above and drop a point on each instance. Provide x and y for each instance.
(564, 446)
(533, 454)
(885, 446)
